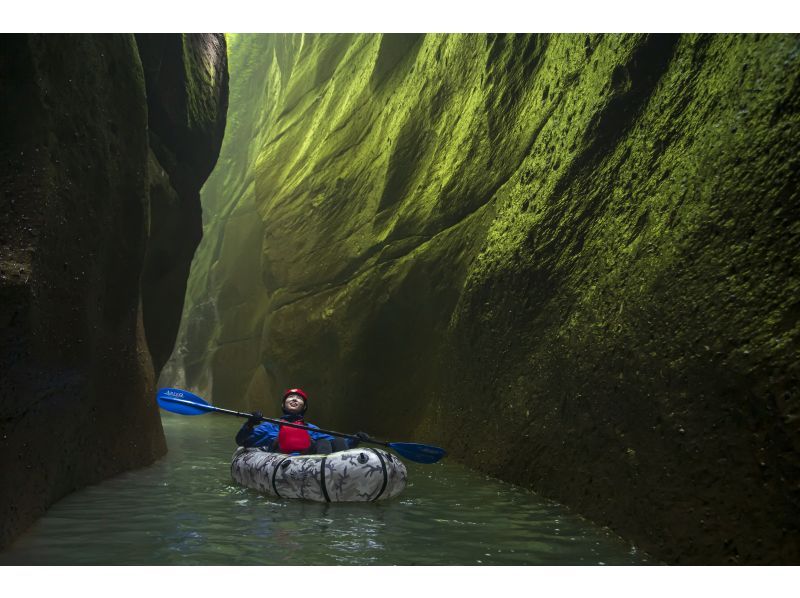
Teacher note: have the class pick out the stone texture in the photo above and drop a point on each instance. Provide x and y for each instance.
(572, 260)
(186, 76)
(78, 177)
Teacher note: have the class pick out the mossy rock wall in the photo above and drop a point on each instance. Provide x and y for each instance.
(570, 259)
(83, 198)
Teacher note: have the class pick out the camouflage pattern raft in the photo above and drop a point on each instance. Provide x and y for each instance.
(360, 474)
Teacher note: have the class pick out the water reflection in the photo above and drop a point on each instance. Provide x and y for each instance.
(185, 510)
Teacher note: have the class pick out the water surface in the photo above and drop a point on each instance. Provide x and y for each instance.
(185, 509)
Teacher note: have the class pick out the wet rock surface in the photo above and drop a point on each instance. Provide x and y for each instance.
(77, 179)
(186, 77)
(570, 259)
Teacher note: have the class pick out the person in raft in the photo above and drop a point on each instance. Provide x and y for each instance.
(285, 439)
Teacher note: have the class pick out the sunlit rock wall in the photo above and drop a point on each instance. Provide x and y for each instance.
(572, 260)
(81, 212)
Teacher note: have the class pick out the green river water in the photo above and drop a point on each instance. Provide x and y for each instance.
(185, 509)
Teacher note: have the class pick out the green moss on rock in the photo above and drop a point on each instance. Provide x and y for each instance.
(570, 259)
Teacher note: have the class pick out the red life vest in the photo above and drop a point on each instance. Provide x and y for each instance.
(293, 440)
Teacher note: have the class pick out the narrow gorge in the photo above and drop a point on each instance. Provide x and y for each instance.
(572, 260)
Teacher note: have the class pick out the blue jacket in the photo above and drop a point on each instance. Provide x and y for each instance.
(263, 435)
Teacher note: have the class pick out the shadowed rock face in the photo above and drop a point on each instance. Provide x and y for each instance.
(572, 260)
(78, 182)
(186, 76)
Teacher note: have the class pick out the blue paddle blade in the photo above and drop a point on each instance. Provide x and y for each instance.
(421, 453)
(182, 402)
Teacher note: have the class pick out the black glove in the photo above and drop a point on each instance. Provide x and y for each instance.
(359, 436)
(255, 419)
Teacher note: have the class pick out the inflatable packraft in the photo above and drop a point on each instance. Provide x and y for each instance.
(359, 474)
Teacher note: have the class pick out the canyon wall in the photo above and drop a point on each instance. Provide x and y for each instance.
(90, 264)
(572, 260)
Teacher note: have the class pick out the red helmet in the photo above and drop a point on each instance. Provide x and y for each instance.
(296, 391)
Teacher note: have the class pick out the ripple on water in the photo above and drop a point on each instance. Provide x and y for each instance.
(185, 510)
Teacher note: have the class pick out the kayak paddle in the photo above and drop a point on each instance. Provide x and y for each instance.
(184, 402)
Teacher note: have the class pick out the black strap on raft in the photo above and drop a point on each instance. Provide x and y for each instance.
(385, 473)
(275, 475)
(234, 462)
(322, 479)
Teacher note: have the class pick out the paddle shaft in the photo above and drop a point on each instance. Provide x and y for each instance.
(211, 409)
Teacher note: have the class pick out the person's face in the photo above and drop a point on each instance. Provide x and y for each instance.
(293, 404)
